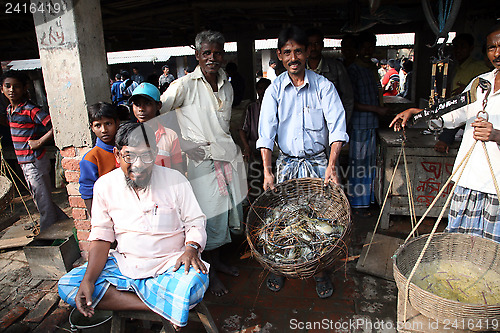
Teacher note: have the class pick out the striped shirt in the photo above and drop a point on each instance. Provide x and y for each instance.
(27, 122)
(97, 162)
(366, 88)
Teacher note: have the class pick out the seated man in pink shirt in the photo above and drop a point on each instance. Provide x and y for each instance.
(153, 215)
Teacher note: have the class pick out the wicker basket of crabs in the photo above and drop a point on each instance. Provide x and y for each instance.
(301, 228)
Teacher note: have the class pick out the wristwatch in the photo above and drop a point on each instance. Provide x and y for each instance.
(194, 246)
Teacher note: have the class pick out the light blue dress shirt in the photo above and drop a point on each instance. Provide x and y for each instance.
(306, 119)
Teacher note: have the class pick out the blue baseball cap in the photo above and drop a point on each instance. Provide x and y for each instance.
(147, 90)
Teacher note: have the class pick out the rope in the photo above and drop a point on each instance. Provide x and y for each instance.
(383, 204)
(6, 167)
(411, 203)
(439, 194)
(429, 238)
(444, 13)
(491, 169)
(445, 18)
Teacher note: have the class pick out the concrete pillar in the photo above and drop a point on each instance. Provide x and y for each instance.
(422, 65)
(266, 56)
(179, 61)
(246, 64)
(41, 98)
(71, 44)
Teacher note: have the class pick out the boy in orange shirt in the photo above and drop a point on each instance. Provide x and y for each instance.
(99, 160)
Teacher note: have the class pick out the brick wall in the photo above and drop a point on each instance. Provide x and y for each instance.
(70, 163)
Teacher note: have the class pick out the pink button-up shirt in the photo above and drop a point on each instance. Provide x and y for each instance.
(152, 226)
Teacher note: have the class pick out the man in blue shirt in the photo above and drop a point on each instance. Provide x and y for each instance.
(305, 112)
(126, 87)
(116, 95)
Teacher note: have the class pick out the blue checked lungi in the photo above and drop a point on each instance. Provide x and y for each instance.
(362, 166)
(170, 294)
(291, 167)
(474, 212)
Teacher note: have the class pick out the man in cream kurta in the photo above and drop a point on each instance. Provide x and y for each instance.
(153, 215)
(202, 101)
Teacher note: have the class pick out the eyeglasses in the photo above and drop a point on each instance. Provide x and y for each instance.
(130, 158)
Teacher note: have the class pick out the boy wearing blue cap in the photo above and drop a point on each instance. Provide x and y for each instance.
(145, 101)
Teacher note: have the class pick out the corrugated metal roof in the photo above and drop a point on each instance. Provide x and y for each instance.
(231, 47)
(332, 42)
(406, 39)
(24, 65)
(125, 57)
(164, 53)
(269, 44)
(266, 44)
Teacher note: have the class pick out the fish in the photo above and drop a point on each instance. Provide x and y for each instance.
(269, 249)
(321, 226)
(338, 229)
(298, 231)
(297, 253)
(311, 255)
(304, 235)
(305, 251)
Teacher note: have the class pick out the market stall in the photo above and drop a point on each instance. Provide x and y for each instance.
(428, 170)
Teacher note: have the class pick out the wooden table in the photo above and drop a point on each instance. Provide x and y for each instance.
(428, 171)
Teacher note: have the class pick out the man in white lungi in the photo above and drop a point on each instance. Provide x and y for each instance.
(202, 100)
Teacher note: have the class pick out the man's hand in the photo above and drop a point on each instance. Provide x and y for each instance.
(268, 181)
(190, 258)
(382, 110)
(484, 131)
(246, 153)
(194, 150)
(84, 298)
(331, 176)
(401, 118)
(442, 147)
(34, 144)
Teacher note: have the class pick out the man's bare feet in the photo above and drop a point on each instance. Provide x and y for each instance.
(214, 258)
(216, 286)
(226, 269)
(167, 323)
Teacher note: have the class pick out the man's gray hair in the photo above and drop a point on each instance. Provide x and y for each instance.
(209, 37)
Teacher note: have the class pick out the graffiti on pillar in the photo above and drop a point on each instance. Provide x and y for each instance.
(50, 25)
(54, 35)
(434, 175)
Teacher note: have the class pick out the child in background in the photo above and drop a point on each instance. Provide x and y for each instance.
(146, 105)
(31, 129)
(100, 160)
(249, 134)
